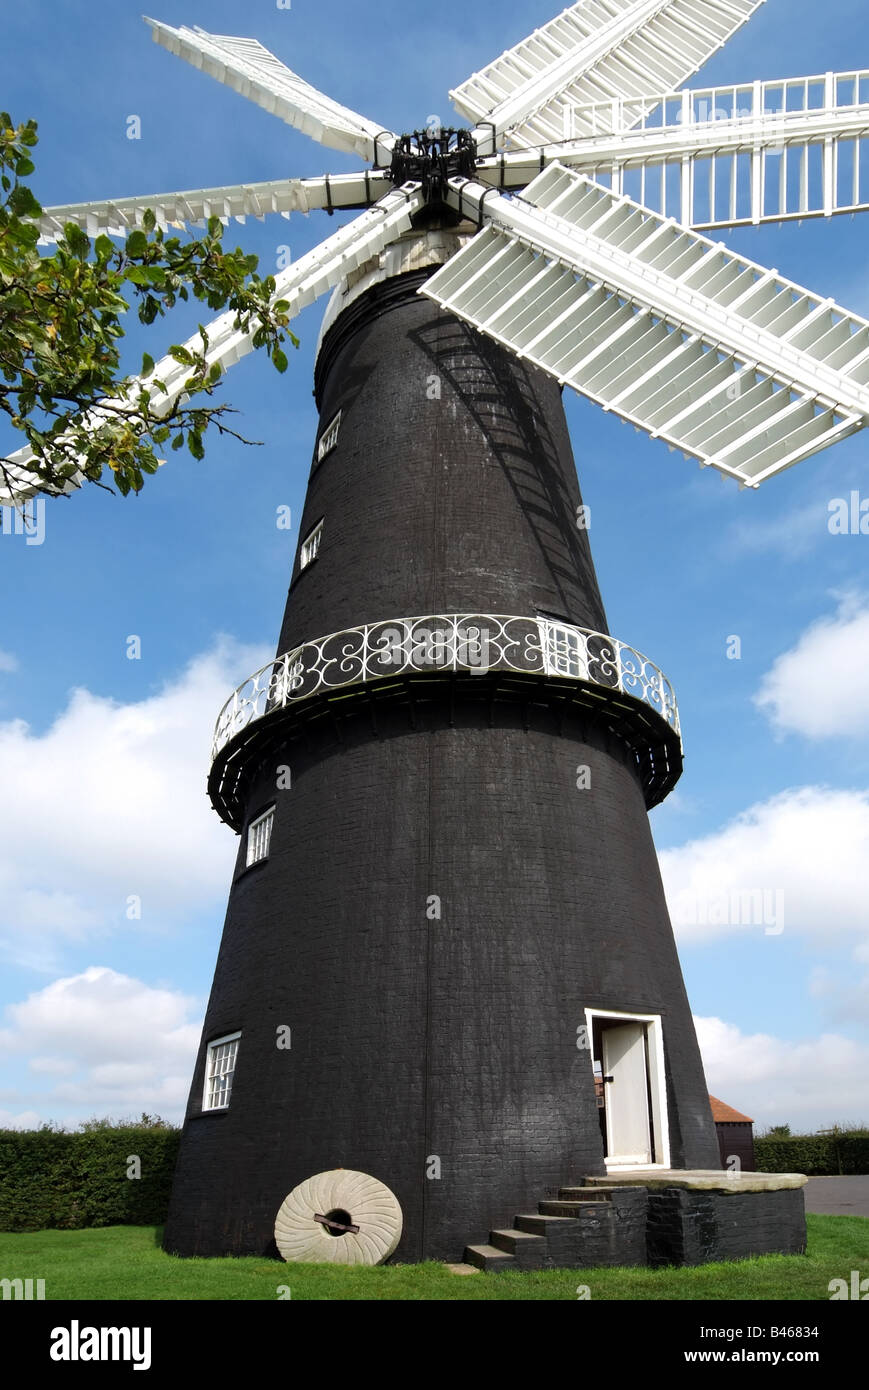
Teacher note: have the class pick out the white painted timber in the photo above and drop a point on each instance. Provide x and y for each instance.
(596, 50)
(300, 284)
(723, 359)
(250, 69)
(721, 156)
(231, 202)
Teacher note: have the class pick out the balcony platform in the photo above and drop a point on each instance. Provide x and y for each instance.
(447, 659)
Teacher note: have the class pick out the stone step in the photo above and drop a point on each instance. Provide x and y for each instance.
(613, 1182)
(586, 1194)
(576, 1209)
(548, 1226)
(489, 1257)
(529, 1249)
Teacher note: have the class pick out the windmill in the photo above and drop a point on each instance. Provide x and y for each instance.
(446, 903)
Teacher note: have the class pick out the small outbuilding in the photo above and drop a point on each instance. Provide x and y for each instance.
(735, 1135)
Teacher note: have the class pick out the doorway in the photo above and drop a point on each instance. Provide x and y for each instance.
(628, 1064)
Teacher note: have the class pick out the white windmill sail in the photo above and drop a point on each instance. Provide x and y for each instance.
(300, 284)
(723, 156)
(594, 274)
(231, 202)
(250, 69)
(598, 50)
(723, 359)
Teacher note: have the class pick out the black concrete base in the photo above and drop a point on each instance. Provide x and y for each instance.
(694, 1228)
(596, 1226)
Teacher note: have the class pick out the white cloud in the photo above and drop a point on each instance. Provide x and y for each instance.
(810, 1084)
(820, 688)
(21, 1119)
(8, 661)
(52, 1066)
(108, 1043)
(790, 535)
(110, 802)
(802, 855)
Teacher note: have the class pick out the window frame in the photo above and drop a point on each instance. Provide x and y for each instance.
(209, 1052)
(562, 649)
(315, 533)
(268, 813)
(329, 438)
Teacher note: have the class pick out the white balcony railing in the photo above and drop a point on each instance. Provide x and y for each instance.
(473, 643)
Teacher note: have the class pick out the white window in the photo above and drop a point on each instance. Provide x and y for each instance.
(219, 1071)
(310, 546)
(329, 437)
(563, 649)
(259, 834)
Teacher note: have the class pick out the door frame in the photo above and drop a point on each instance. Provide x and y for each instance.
(657, 1083)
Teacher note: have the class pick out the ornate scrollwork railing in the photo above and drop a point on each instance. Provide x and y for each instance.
(468, 642)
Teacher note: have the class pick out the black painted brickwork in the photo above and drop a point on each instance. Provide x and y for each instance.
(692, 1228)
(453, 1037)
(460, 504)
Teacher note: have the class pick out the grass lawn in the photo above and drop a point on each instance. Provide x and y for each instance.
(126, 1262)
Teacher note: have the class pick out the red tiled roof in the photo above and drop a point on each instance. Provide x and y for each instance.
(725, 1114)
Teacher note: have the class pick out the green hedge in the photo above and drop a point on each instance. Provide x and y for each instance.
(813, 1154)
(49, 1178)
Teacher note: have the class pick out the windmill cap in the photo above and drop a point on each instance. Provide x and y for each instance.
(416, 250)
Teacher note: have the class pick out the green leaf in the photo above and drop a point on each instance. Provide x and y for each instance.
(178, 441)
(103, 248)
(215, 372)
(181, 355)
(77, 240)
(23, 204)
(195, 445)
(147, 364)
(137, 243)
(149, 221)
(280, 359)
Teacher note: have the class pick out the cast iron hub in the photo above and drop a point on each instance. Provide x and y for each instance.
(432, 159)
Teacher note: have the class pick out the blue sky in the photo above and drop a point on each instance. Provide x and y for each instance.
(104, 758)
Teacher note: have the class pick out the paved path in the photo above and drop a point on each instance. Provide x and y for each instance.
(838, 1196)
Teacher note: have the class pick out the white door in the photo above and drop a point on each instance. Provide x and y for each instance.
(628, 1133)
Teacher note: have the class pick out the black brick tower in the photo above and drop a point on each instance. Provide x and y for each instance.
(441, 900)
